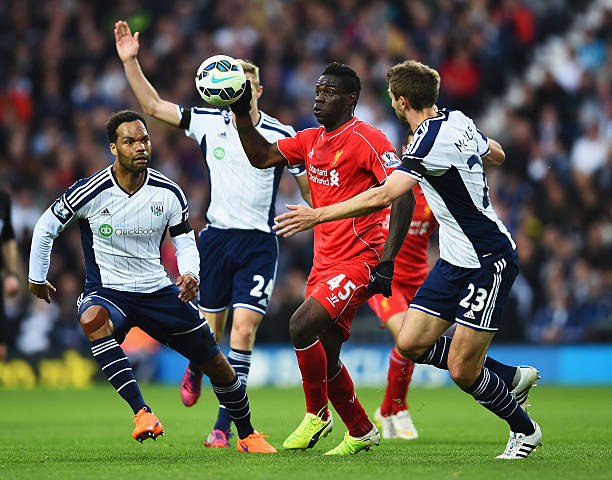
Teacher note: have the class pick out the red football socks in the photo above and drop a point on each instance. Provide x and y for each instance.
(398, 381)
(313, 365)
(341, 393)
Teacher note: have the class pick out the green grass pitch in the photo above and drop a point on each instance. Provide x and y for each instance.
(75, 434)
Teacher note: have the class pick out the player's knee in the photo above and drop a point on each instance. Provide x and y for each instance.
(96, 323)
(462, 374)
(408, 349)
(245, 329)
(297, 328)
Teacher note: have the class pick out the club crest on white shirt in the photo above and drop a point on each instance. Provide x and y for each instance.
(157, 208)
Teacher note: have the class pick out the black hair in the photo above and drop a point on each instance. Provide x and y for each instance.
(350, 80)
(121, 117)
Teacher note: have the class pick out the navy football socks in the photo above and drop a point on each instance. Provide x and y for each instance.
(117, 369)
(234, 399)
(240, 360)
(492, 393)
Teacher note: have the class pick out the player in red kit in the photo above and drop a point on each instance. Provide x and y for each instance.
(342, 157)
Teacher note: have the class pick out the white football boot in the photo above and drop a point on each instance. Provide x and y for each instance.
(404, 426)
(525, 378)
(520, 445)
(387, 430)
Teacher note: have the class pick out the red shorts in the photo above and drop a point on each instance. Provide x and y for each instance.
(385, 308)
(341, 289)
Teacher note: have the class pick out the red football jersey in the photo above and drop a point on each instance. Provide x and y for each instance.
(411, 262)
(341, 164)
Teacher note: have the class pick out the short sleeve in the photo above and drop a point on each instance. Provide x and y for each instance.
(413, 167)
(294, 148)
(382, 159)
(384, 163)
(419, 159)
(482, 143)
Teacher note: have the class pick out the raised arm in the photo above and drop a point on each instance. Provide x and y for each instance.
(127, 49)
(261, 153)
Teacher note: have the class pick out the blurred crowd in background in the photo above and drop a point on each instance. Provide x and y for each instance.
(537, 76)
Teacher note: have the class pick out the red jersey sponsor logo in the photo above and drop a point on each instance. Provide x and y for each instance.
(340, 165)
(323, 177)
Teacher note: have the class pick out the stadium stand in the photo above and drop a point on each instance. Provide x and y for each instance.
(538, 75)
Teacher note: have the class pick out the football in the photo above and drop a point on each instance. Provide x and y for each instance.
(220, 80)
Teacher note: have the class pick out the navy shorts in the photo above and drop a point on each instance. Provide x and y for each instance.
(474, 297)
(161, 314)
(237, 269)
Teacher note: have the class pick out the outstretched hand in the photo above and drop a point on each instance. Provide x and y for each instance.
(242, 106)
(127, 45)
(297, 219)
(381, 277)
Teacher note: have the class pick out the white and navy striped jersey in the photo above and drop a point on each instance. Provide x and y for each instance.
(445, 157)
(241, 196)
(121, 233)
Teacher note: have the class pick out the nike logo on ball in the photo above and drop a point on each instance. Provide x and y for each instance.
(217, 80)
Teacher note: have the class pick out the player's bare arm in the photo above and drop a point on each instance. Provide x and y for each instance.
(300, 218)
(402, 210)
(302, 182)
(261, 153)
(496, 156)
(127, 49)
(381, 276)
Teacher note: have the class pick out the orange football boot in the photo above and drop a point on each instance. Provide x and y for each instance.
(255, 443)
(147, 426)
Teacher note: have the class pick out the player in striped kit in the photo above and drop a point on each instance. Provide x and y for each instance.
(238, 250)
(478, 259)
(123, 212)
